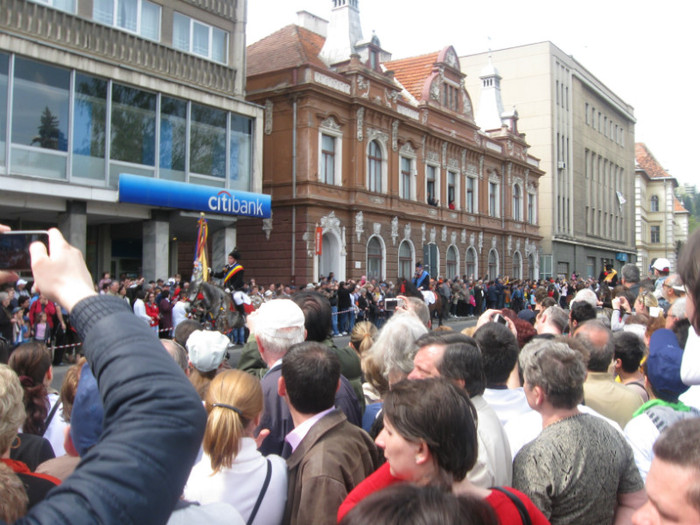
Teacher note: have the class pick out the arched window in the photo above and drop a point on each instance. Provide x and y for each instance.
(375, 259)
(517, 272)
(374, 167)
(493, 264)
(470, 267)
(654, 203)
(405, 260)
(451, 262)
(517, 203)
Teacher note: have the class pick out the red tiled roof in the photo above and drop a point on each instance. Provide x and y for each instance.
(412, 72)
(678, 206)
(291, 46)
(648, 163)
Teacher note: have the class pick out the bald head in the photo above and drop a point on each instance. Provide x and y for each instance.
(598, 339)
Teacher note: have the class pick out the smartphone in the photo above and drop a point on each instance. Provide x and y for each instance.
(498, 318)
(14, 248)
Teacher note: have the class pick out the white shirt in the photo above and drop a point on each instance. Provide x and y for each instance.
(526, 427)
(140, 311)
(494, 461)
(179, 313)
(241, 484)
(507, 402)
(55, 433)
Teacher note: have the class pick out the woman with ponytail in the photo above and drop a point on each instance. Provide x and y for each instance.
(32, 363)
(231, 469)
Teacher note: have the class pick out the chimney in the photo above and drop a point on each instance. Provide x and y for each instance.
(313, 23)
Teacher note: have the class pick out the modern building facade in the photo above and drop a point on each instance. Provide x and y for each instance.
(662, 221)
(93, 89)
(375, 164)
(584, 135)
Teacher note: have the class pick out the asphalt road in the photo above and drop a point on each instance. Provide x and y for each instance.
(457, 324)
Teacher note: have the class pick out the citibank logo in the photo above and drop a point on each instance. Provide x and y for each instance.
(224, 202)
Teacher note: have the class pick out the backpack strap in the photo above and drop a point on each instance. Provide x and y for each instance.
(266, 483)
(50, 416)
(522, 510)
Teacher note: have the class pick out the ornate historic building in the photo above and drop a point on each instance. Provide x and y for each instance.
(374, 164)
(94, 89)
(662, 221)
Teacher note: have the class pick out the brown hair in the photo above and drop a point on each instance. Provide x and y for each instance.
(31, 361)
(69, 388)
(234, 400)
(689, 270)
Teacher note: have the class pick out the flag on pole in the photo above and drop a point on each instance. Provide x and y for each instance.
(201, 267)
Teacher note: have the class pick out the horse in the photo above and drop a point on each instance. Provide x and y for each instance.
(433, 299)
(210, 303)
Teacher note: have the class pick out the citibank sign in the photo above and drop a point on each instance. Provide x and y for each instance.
(137, 189)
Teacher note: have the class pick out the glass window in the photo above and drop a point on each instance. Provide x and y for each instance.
(375, 167)
(136, 16)
(241, 146)
(531, 208)
(493, 264)
(654, 203)
(451, 262)
(451, 189)
(493, 199)
(516, 202)
(328, 159)
(40, 119)
(517, 266)
(208, 141)
(374, 259)
(89, 127)
(405, 178)
(4, 65)
(40, 105)
(470, 195)
(655, 234)
(470, 266)
(63, 5)
(405, 260)
(430, 184)
(133, 125)
(199, 38)
(173, 138)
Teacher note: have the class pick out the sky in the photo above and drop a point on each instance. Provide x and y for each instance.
(644, 51)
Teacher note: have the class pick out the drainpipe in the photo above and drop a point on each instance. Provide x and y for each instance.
(294, 185)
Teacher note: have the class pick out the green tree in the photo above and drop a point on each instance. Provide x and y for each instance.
(48, 131)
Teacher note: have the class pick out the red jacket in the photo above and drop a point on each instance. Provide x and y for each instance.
(37, 307)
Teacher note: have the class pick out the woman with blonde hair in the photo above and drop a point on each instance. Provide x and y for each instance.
(231, 469)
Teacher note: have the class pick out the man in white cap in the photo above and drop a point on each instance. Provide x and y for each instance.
(277, 325)
(661, 267)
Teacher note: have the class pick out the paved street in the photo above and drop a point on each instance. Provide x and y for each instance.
(456, 324)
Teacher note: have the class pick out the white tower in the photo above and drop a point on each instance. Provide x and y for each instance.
(490, 113)
(344, 31)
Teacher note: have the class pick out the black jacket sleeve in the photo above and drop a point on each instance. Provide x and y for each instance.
(153, 426)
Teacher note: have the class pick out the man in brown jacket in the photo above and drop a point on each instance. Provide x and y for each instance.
(329, 455)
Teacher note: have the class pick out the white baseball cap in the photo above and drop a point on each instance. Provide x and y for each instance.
(662, 264)
(207, 349)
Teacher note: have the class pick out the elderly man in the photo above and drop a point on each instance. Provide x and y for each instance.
(277, 325)
(551, 322)
(673, 483)
(601, 392)
(457, 357)
(579, 470)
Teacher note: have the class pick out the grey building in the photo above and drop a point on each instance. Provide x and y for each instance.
(584, 135)
(94, 89)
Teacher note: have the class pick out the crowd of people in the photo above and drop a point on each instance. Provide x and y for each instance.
(569, 401)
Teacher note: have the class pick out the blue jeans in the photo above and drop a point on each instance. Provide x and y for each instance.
(334, 319)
